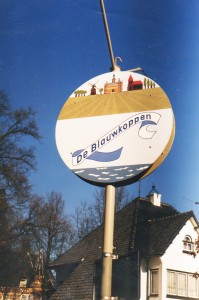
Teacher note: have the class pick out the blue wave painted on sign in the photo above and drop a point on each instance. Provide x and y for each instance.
(76, 153)
(106, 156)
(145, 123)
(101, 156)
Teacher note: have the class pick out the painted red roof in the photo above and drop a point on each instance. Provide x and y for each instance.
(137, 82)
(130, 78)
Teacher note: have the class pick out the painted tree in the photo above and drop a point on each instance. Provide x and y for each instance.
(80, 93)
(145, 82)
(101, 90)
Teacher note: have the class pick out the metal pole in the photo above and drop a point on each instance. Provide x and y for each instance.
(113, 60)
(108, 243)
(107, 33)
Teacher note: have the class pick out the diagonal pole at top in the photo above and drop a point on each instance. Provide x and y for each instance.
(113, 59)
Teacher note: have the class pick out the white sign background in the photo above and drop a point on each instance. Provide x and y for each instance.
(140, 144)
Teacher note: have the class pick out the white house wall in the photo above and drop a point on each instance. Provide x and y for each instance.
(174, 259)
(143, 280)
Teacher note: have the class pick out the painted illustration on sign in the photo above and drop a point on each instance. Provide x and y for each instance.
(115, 86)
(115, 129)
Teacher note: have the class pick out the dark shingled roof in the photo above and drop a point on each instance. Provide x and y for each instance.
(167, 228)
(138, 226)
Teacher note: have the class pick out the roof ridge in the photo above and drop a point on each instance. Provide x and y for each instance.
(147, 200)
(190, 212)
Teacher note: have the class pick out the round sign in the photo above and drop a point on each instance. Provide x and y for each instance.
(115, 129)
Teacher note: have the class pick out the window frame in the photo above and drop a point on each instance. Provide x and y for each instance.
(182, 287)
(154, 282)
(188, 244)
(191, 290)
(173, 286)
(189, 276)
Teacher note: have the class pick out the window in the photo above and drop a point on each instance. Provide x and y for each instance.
(154, 282)
(193, 286)
(171, 282)
(23, 283)
(188, 245)
(24, 297)
(182, 284)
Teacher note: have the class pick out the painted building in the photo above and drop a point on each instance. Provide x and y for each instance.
(157, 248)
(134, 84)
(114, 86)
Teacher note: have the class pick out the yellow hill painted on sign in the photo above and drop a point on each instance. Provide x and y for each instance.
(116, 103)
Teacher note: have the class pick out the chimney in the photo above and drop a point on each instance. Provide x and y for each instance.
(154, 197)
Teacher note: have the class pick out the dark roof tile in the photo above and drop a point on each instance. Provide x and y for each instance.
(138, 226)
(163, 231)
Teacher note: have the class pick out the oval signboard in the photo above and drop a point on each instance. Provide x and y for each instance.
(115, 129)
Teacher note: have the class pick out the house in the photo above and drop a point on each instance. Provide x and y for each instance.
(134, 84)
(157, 256)
(23, 292)
(114, 86)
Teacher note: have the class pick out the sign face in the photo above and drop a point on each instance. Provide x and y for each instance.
(115, 129)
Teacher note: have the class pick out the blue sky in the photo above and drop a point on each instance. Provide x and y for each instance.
(49, 48)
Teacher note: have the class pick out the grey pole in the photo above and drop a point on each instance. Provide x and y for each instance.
(106, 286)
(108, 243)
